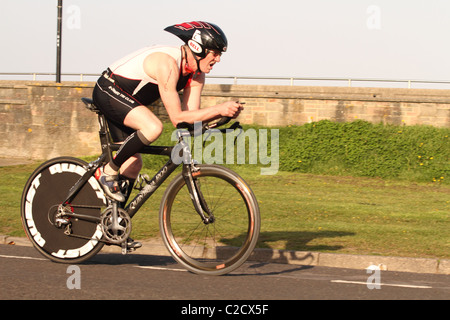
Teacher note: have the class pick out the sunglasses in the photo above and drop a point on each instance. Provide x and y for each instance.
(214, 52)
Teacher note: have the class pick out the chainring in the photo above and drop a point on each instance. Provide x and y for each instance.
(119, 233)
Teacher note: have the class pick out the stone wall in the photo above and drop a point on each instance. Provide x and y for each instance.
(42, 120)
(285, 105)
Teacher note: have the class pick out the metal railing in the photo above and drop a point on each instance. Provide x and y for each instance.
(349, 82)
(34, 75)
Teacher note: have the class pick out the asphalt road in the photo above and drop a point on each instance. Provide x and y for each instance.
(25, 274)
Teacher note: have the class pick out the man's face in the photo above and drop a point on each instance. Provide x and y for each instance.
(207, 64)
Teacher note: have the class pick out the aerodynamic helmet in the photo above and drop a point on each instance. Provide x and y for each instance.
(200, 36)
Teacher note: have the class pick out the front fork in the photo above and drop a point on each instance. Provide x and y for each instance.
(190, 173)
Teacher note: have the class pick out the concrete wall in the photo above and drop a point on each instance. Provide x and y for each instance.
(41, 120)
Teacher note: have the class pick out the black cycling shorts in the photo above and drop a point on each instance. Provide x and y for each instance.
(115, 104)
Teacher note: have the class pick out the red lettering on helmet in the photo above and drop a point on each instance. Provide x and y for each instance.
(194, 24)
(185, 26)
(198, 24)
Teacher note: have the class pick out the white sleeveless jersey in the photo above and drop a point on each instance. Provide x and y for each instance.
(128, 73)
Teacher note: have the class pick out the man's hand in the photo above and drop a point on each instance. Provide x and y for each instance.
(230, 109)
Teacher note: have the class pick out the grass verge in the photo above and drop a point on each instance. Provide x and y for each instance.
(308, 212)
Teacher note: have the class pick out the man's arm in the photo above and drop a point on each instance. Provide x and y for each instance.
(192, 93)
(164, 69)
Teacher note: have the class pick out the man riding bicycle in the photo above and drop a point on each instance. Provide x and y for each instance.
(137, 80)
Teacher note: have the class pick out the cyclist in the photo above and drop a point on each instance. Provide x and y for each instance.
(137, 80)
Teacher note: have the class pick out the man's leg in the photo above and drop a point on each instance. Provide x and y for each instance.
(148, 128)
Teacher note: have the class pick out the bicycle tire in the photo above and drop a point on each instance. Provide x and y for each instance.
(222, 246)
(44, 191)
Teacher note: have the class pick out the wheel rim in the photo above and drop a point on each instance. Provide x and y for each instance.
(219, 246)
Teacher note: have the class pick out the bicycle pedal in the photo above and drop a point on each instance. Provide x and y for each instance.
(128, 247)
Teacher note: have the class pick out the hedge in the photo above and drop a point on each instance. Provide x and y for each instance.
(362, 149)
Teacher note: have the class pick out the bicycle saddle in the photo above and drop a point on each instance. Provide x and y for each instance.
(90, 105)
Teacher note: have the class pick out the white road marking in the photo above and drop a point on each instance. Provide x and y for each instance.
(383, 284)
(161, 268)
(27, 258)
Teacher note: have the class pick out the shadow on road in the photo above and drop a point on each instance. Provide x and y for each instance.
(301, 240)
(295, 246)
(131, 259)
(251, 268)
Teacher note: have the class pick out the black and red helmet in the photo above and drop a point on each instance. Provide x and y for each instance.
(200, 36)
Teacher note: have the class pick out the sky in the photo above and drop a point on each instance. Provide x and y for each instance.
(387, 39)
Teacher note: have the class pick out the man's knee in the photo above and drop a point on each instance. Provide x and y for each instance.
(153, 130)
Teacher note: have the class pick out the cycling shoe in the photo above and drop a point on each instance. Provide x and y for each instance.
(110, 183)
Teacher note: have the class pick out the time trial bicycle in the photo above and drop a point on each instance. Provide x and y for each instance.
(209, 217)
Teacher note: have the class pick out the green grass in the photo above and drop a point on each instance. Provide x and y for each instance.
(353, 215)
(301, 211)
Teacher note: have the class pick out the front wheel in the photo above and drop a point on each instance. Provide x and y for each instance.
(221, 246)
(42, 197)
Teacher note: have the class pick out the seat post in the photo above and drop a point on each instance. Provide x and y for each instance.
(105, 140)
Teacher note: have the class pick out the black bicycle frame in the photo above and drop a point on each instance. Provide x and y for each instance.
(158, 179)
(161, 176)
(147, 191)
(150, 187)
